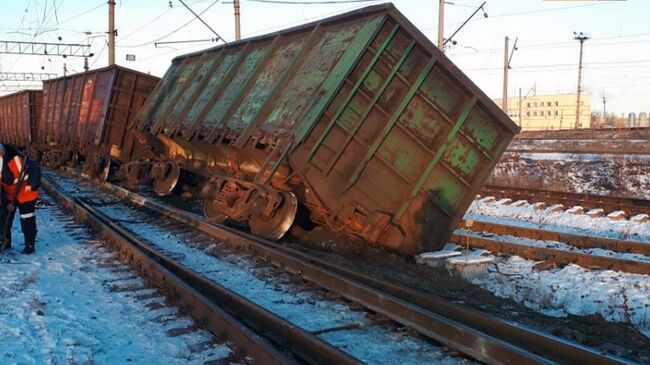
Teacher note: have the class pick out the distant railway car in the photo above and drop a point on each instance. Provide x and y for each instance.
(85, 116)
(19, 113)
(357, 122)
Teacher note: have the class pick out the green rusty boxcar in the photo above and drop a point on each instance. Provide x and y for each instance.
(357, 122)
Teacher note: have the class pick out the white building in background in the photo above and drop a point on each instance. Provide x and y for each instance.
(549, 112)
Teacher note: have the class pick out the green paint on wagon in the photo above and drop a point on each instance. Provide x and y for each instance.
(371, 117)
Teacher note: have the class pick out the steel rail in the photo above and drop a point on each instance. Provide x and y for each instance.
(629, 205)
(576, 151)
(254, 329)
(481, 336)
(557, 256)
(573, 239)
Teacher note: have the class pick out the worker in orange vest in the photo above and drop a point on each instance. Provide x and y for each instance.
(26, 197)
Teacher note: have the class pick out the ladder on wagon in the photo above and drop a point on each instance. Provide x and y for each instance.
(273, 161)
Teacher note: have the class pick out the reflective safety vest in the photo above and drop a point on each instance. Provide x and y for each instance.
(15, 165)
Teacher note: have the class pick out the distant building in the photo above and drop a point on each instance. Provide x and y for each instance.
(544, 112)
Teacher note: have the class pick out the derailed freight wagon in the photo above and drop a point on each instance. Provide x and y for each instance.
(357, 122)
(85, 117)
(19, 114)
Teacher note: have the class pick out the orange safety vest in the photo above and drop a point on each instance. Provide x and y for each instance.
(15, 165)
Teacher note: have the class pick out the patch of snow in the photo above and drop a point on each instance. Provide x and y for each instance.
(555, 245)
(529, 216)
(371, 343)
(616, 296)
(64, 305)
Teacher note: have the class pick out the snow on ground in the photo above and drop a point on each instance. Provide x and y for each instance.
(63, 305)
(370, 342)
(616, 296)
(555, 245)
(528, 216)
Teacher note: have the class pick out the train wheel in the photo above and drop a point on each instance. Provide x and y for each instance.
(166, 181)
(212, 212)
(276, 226)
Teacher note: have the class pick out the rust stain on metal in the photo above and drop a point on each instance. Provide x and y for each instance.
(359, 117)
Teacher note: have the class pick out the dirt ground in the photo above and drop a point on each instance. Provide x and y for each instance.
(593, 331)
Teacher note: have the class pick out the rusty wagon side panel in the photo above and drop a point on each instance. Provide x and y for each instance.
(89, 112)
(405, 143)
(373, 129)
(19, 113)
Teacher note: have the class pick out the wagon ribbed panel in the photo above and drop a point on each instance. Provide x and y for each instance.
(406, 135)
(91, 109)
(264, 85)
(382, 134)
(18, 114)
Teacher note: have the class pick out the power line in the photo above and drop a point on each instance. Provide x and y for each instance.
(325, 2)
(202, 21)
(170, 33)
(146, 24)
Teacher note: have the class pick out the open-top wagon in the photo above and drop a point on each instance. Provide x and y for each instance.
(355, 122)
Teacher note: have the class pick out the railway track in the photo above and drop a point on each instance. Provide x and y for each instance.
(485, 338)
(588, 201)
(555, 247)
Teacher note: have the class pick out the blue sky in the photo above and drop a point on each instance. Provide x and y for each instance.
(617, 57)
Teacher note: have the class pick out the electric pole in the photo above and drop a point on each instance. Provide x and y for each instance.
(111, 32)
(237, 25)
(604, 109)
(505, 77)
(580, 37)
(520, 107)
(441, 17)
(507, 58)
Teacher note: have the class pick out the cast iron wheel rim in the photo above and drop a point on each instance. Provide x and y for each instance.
(165, 184)
(275, 227)
(212, 213)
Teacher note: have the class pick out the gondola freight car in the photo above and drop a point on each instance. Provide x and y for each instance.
(19, 113)
(357, 122)
(85, 117)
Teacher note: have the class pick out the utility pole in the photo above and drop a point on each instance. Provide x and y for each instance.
(580, 37)
(441, 25)
(505, 77)
(507, 58)
(604, 109)
(237, 24)
(520, 107)
(65, 69)
(111, 32)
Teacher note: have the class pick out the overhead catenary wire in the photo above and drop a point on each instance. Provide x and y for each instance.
(202, 21)
(315, 2)
(170, 33)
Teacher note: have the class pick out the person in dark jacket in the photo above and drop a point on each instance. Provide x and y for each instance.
(24, 188)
